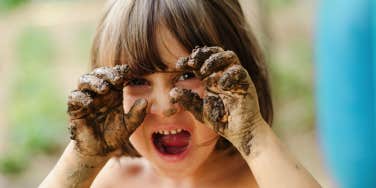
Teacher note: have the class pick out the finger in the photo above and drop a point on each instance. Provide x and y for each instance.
(199, 55)
(136, 115)
(114, 75)
(103, 103)
(234, 79)
(197, 58)
(108, 74)
(72, 130)
(78, 104)
(182, 64)
(218, 61)
(215, 113)
(211, 82)
(189, 100)
(123, 70)
(89, 82)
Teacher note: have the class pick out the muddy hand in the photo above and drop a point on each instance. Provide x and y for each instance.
(98, 124)
(230, 104)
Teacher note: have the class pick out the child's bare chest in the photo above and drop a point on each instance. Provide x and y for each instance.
(136, 175)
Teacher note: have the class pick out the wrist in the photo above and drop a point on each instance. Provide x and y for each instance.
(74, 169)
(253, 139)
(83, 158)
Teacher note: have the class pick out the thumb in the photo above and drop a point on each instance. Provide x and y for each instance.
(136, 115)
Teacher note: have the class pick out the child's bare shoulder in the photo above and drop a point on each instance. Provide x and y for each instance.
(122, 171)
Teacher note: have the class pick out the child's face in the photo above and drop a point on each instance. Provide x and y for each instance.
(177, 155)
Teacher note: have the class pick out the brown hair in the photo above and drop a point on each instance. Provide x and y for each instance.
(128, 31)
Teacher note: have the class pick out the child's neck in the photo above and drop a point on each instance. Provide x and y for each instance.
(221, 170)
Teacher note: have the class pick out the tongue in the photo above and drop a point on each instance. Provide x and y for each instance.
(176, 140)
(172, 144)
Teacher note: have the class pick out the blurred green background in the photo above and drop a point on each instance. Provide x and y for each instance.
(44, 48)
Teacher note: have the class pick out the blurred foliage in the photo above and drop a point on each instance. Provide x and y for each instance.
(36, 111)
(279, 3)
(11, 4)
(83, 40)
(7, 5)
(292, 86)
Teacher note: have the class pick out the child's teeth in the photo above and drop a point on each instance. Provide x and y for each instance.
(166, 132)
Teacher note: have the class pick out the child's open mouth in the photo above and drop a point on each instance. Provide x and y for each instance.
(172, 142)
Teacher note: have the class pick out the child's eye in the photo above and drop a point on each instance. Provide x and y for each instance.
(187, 75)
(137, 82)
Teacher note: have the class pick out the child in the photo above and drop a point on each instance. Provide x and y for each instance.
(199, 119)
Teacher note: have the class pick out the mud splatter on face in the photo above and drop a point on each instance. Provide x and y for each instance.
(169, 112)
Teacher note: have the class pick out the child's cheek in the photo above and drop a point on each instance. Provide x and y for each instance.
(130, 95)
(199, 89)
(128, 102)
(195, 85)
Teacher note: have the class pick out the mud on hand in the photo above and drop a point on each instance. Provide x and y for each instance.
(97, 121)
(230, 104)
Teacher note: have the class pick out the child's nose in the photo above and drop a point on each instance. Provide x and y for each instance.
(161, 105)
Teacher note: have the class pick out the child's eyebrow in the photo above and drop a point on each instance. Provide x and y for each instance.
(175, 74)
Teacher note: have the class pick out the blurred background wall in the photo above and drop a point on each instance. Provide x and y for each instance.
(44, 48)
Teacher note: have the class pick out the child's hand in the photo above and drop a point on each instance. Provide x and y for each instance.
(230, 104)
(98, 123)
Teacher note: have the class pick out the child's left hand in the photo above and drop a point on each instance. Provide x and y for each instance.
(230, 104)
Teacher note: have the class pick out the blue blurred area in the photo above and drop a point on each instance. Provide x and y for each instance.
(374, 54)
(346, 90)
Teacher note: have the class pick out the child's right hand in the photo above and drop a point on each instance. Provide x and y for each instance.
(98, 124)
